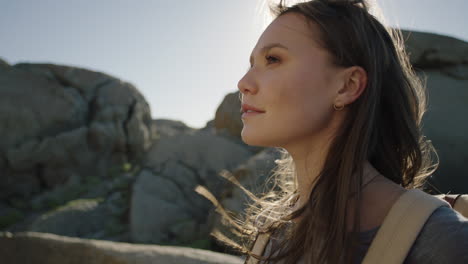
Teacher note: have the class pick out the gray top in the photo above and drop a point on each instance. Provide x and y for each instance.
(443, 239)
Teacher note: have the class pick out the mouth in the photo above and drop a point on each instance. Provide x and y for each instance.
(245, 108)
(250, 113)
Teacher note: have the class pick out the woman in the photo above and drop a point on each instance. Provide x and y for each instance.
(333, 88)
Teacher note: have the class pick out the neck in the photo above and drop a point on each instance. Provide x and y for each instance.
(307, 173)
(308, 162)
(309, 154)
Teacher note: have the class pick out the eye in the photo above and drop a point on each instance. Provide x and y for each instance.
(271, 59)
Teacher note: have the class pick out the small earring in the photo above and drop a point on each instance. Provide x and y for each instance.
(338, 108)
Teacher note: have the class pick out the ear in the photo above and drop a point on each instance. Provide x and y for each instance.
(354, 83)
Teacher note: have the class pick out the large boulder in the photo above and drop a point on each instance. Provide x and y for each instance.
(86, 218)
(443, 63)
(26, 248)
(94, 208)
(3, 64)
(168, 128)
(429, 51)
(445, 124)
(60, 121)
(255, 175)
(228, 116)
(165, 209)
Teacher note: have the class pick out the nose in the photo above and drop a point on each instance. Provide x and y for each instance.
(247, 85)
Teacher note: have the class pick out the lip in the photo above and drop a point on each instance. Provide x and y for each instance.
(246, 107)
(249, 114)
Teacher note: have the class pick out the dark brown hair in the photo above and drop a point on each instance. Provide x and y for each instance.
(383, 126)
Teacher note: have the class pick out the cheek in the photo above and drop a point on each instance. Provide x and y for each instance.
(310, 111)
(305, 105)
(309, 92)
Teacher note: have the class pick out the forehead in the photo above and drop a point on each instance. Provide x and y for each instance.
(291, 30)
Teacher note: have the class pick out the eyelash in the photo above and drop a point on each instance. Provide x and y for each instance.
(271, 57)
(268, 57)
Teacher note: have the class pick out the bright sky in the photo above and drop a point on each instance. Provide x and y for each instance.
(184, 56)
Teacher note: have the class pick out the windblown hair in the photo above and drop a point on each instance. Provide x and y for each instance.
(383, 126)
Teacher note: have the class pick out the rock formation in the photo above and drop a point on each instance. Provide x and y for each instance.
(53, 249)
(443, 62)
(60, 121)
(163, 194)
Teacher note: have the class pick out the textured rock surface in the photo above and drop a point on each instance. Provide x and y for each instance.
(60, 121)
(53, 249)
(446, 125)
(165, 208)
(80, 218)
(253, 175)
(430, 51)
(443, 62)
(168, 128)
(228, 116)
(3, 64)
(94, 208)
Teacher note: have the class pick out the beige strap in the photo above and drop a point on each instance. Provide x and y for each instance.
(258, 248)
(461, 205)
(401, 226)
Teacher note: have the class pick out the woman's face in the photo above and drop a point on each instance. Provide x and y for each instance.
(294, 84)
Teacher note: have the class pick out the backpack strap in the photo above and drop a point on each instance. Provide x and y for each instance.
(401, 227)
(258, 248)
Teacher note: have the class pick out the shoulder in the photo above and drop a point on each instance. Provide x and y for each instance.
(443, 239)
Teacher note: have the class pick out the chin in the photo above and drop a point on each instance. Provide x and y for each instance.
(255, 139)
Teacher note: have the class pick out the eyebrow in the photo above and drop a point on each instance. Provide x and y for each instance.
(268, 47)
